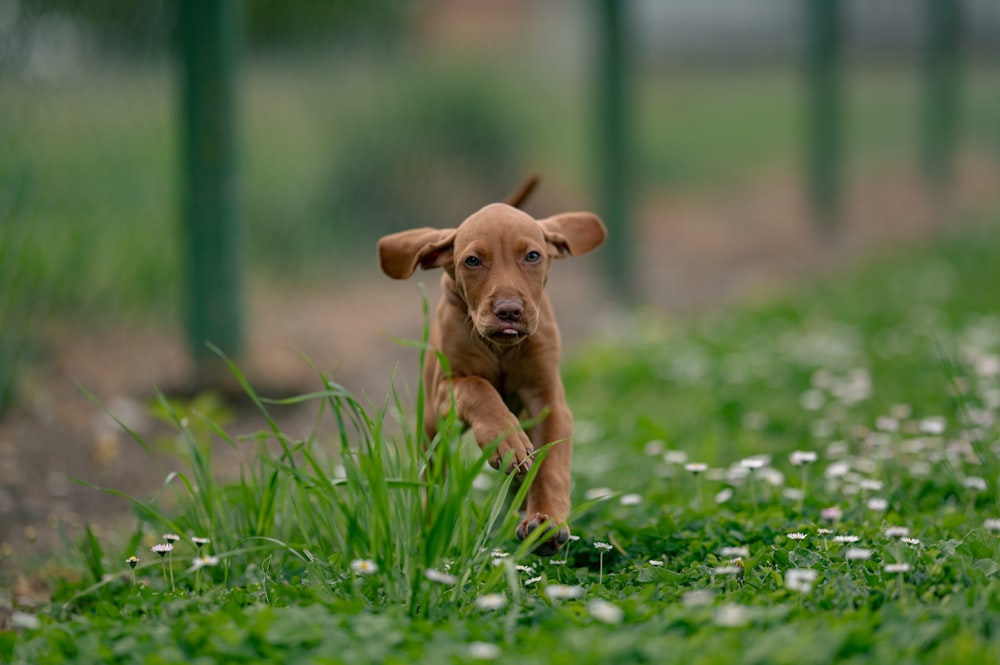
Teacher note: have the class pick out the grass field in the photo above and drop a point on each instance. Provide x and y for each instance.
(811, 479)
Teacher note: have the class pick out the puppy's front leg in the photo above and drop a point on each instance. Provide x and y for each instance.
(480, 406)
(548, 503)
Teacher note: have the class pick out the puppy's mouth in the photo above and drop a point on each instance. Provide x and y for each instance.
(506, 334)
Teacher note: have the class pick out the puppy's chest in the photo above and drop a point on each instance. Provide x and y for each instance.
(510, 390)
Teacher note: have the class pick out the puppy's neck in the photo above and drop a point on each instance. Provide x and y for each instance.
(451, 292)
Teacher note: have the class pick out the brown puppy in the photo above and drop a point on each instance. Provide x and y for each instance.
(495, 326)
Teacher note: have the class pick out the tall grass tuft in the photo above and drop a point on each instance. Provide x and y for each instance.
(368, 492)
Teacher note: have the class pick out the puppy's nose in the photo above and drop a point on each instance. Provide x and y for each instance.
(509, 310)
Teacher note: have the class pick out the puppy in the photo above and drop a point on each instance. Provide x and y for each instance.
(495, 326)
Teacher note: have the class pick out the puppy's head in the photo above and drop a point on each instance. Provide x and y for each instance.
(498, 259)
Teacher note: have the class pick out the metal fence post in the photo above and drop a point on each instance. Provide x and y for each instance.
(210, 32)
(823, 110)
(614, 154)
(941, 72)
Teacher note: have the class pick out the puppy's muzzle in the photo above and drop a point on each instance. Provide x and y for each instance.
(509, 311)
(507, 321)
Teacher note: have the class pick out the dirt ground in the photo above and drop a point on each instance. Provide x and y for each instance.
(690, 254)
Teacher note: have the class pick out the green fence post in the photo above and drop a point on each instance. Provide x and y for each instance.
(210, 31)
(941, 73)
(614, 154)
(823, 36)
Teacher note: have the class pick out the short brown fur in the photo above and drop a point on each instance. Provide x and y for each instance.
(496, 327)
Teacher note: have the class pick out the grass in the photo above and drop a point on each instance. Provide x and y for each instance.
(703, 536)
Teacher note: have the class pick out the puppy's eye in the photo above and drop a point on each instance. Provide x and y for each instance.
(473, 261)
(532, 257)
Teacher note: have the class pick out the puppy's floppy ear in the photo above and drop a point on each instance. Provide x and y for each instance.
(399, 254)
(573, 233)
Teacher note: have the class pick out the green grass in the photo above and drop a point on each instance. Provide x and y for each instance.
(889, 373)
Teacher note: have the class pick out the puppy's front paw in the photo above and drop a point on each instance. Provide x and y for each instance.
(514, 454)
(555, 534)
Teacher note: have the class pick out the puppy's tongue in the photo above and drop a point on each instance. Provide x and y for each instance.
(509, 331)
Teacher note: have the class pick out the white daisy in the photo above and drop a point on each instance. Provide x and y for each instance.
(483, 651)
(440, 577)
(563, 591)
(364, 566)
(491, 601)
(631, 499)
(605, 611)
(800, 580)
(802, 457)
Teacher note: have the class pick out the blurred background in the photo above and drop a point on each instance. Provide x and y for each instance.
(180, 171)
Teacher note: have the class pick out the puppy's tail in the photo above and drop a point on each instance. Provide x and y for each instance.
(522, 193)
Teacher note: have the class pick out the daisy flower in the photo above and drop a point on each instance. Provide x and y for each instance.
(832, 513)
(800, 580)
(754, 463)
(974, 483)
(738, 551)
(933, 425)
(598, 493)
(697, 598)
(877, 504)
(364, 566)
(724, 495)
(675, 457)
(202, 561)
(727, 570)
(605, 612)
(440, 577)
(802, 457)
(563, 591)
(732, 616)
(491, 601)
(483, 651)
